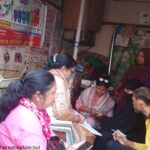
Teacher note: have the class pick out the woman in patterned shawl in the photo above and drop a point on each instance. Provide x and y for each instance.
(95, 101)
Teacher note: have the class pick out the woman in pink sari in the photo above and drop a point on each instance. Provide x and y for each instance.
(24, 122)
(95, 101)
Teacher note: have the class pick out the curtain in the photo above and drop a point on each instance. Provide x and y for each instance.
(124, 50)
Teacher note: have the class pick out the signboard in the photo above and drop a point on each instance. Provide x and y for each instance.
(22, 22)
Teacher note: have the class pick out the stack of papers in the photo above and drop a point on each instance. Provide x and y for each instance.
(64, 126)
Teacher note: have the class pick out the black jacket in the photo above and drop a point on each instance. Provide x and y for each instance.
(126, 120)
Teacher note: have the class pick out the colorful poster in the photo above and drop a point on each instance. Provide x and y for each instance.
(57, 36)
(22, 22)
(21, 37)
(50, 24)
(14, 61)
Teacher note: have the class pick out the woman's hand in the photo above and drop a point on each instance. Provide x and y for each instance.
(83, 108)
(92, 111)
(80, 107)
(95, 112)
(98, 114)
(76, 119)
(89, 110)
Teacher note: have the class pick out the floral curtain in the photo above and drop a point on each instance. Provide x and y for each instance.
(128, 39)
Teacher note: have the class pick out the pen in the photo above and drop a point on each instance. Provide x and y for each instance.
(119, 132)
(113, 130)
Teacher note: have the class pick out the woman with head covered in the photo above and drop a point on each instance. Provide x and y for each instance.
(124, 118)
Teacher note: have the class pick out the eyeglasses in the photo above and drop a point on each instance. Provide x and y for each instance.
(105, 80)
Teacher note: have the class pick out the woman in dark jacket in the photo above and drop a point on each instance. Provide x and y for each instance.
(124, 119)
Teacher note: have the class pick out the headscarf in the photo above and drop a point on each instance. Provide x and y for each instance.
(131, 84)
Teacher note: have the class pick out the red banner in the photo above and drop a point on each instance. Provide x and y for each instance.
(14, 37)
(22, 23)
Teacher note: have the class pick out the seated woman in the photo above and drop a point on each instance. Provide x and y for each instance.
(62, 66)
(95, 101)
(125, 119)
(23, 118)
(140, 70)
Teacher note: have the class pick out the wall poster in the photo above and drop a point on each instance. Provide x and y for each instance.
(57, 35)
(14, 61)
(50, 25)
(22, 26)
(123, 55)
(22, 22)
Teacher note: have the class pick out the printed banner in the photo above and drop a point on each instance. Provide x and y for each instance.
(50, 25)
(22, 22)
(14, 61)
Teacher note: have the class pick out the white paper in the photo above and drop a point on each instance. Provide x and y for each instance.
(91, 129)
(64, 126)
